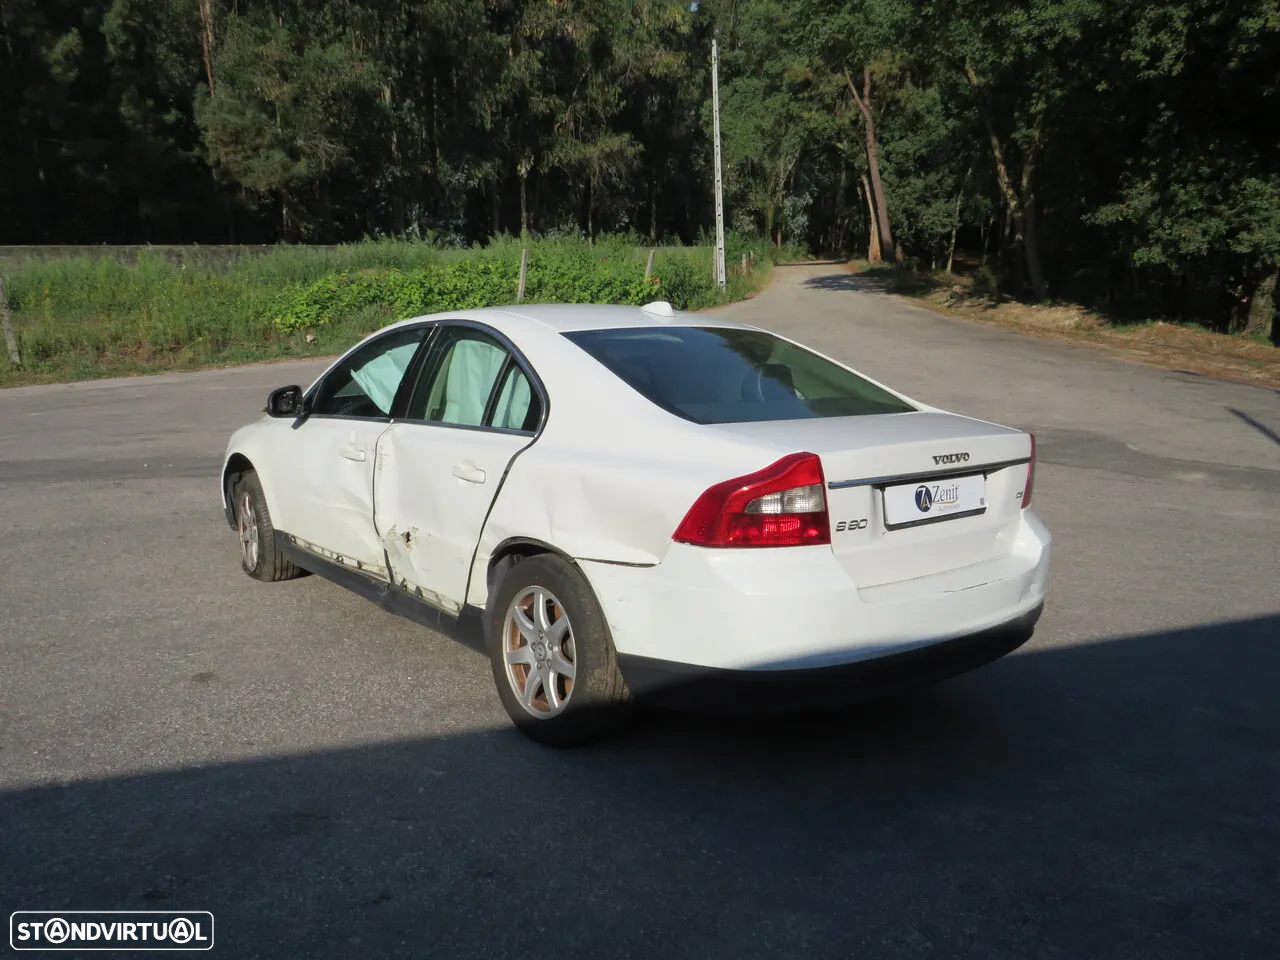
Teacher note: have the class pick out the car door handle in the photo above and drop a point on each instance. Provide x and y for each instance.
(469, 472)
(352, 452)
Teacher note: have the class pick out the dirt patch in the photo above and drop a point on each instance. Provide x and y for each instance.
(1170, 346)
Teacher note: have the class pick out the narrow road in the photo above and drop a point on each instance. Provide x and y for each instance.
(332, 781)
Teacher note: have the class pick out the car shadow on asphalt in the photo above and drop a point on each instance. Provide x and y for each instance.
(1107, 799)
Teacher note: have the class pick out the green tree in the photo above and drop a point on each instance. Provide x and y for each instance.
(1023, 61)
(866, 43)
(284, 113)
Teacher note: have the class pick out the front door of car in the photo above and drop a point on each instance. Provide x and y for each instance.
(473, 409)
(327, 460)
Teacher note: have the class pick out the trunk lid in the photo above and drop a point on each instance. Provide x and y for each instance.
(864, 456)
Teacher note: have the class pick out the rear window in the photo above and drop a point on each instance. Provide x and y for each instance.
(717, 375)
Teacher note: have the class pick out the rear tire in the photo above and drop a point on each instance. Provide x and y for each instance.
(552, 655)
(260, 555)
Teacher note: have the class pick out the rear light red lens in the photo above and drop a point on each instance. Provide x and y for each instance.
(783, 505)
(1031, 475)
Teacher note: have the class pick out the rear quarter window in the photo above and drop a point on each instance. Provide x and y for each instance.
(725, 375)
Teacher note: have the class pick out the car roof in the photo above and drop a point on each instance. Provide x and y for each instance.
(570, 317)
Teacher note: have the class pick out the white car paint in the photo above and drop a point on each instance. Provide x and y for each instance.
(609, 477)
(432, 500)
(800, 607)
(330, 483)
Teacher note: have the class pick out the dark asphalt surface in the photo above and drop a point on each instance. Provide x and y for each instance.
(332, 781)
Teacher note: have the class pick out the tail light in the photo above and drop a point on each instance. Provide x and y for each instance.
(1031, 475)
(783, 505)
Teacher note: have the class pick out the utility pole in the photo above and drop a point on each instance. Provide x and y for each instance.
(715, 123)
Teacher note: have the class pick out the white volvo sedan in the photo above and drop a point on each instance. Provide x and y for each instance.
(646, 503)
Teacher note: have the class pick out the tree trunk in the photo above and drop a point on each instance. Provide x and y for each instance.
(206, 39)
(399, 206)
(1031, 232)
(1022, 207)
(836, 239)
(1015, 224)
(1264, 308)
(653, 211)
(955, 219)
(324, 196)
(495, 205)
(398, 212)
(874, 254)
(873, 161)
(786, 169)
(435, 130)
(591, 239)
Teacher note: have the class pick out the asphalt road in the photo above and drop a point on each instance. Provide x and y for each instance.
(332, 781)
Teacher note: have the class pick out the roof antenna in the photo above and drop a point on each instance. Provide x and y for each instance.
(660, 309)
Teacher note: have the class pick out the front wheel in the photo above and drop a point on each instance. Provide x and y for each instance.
(552, 655)
(260, 555)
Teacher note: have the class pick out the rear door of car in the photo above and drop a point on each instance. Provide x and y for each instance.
(475, 406)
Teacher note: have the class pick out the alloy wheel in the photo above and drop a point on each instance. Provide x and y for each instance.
(538, 652)
(247, 527)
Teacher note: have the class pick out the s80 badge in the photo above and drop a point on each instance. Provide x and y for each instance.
(844, 525)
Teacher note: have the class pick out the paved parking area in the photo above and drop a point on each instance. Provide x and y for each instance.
(332, 781)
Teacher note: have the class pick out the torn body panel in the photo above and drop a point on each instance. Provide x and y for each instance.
(399, 547)
(432, 500)
(376, 570)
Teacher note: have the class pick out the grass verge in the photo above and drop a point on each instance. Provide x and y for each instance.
(82, 318)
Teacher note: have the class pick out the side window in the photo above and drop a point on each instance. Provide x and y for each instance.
(518, 406)
(471, 380)
(459, 380)
(365, 384)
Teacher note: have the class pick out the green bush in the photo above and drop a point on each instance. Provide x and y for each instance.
(82, 317)
(557, 273)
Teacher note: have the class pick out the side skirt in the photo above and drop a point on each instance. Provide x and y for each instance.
(467, 628)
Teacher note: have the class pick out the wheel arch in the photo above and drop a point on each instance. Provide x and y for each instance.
(510, 552)
(237, 466)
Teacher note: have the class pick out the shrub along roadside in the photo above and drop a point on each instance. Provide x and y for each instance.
(82, 318)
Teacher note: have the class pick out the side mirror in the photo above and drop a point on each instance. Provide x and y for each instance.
(285, 402)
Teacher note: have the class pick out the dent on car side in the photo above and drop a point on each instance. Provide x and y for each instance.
(606, 504)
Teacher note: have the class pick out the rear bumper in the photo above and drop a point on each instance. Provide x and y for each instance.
(799, 608)
(685, 685)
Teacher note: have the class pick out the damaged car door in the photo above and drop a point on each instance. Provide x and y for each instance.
(327, 457)
(475, 406)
